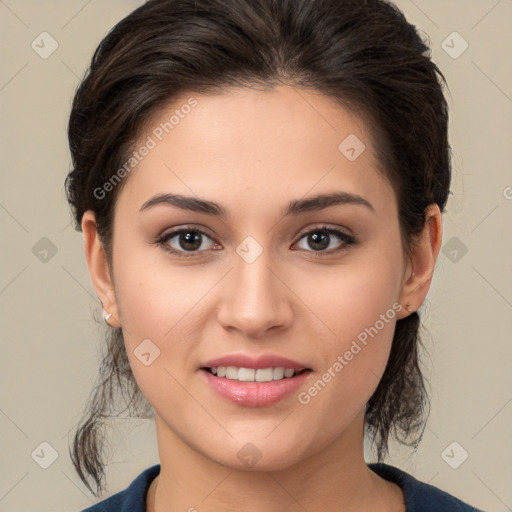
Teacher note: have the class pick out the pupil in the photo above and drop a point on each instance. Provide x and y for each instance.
(323, 238)
(190, 241)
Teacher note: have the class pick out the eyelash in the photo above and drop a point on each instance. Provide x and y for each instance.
(346, 239)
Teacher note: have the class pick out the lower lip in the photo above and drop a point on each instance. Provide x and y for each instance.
(254, 394)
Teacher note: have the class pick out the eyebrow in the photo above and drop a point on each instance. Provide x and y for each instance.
(297, 207)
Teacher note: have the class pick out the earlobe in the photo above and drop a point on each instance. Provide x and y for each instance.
(424, 254)
(98, 269)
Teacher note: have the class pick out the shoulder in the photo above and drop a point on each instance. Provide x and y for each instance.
(131, 499)
(420, 496)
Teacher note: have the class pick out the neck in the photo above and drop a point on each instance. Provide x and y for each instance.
(337, 478)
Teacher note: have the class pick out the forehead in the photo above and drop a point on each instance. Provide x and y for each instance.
(260, 120)
(283, 140)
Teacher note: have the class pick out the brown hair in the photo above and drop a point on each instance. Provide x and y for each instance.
(363, 53)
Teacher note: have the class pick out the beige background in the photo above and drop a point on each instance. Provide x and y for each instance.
(50, 341)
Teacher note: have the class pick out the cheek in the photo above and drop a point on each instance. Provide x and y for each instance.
(161, 308)
(353, 297)
(155, 310)
(153, 293)
(359, 306)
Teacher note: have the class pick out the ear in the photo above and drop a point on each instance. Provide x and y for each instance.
(420, 268)
(98, 268)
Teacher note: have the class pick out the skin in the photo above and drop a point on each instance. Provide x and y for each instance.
(253, 152)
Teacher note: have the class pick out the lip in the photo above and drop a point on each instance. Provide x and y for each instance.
(256, 362)
(253, 394)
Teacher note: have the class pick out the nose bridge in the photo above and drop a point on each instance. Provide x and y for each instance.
(255, 299)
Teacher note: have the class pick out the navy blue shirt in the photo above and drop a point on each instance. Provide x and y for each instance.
(419, 496)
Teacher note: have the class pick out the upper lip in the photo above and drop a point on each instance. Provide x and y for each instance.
(256, 362)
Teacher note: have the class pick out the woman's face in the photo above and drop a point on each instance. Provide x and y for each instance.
(266, 280)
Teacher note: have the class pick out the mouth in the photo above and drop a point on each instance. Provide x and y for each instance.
(254, 380)
(254, 387)
(242, 374)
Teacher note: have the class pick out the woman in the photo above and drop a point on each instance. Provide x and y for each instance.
(260, 186)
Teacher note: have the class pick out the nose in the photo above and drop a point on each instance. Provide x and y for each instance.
(255, 298)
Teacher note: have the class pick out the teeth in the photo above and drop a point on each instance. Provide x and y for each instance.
(242, 374)
(278, 373)
(252, 375)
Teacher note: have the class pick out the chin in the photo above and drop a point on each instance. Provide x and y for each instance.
(251, 456)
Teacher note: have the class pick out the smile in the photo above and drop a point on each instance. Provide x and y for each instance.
(252, 374)
(251, 392)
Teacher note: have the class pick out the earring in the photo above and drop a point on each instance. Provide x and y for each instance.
(106, 318)
(408, 307)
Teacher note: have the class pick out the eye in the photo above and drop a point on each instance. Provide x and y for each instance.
(320, 239)
(192, 241)
(187, 240)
